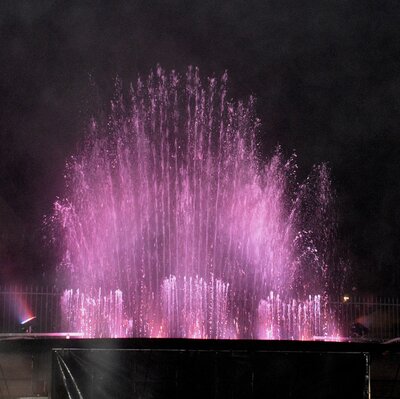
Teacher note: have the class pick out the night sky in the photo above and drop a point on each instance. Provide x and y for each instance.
(326, 74)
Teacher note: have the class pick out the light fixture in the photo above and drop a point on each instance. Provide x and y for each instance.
(27, 324)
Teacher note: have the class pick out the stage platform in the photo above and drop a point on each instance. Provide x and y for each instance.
(62, 364)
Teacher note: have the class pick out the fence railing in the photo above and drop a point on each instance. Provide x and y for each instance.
(17, 304)
(370, 317)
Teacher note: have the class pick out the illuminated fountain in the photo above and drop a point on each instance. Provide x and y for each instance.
(174, 226)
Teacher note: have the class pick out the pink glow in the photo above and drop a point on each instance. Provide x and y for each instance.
(174, 227)
(21, 308)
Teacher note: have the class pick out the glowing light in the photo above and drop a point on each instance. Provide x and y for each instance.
(28, 320)
(19, 304)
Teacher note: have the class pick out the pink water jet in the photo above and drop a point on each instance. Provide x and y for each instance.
(173, 225)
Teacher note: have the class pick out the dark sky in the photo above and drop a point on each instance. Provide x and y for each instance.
(326, 74)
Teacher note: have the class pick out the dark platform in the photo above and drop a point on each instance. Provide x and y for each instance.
(176, 368)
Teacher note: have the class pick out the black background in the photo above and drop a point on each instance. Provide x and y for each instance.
(325, 73)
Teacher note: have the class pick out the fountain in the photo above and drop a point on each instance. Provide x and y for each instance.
(173, 225)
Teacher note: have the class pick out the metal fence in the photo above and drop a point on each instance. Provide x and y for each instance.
(18, 304)
(369, 317)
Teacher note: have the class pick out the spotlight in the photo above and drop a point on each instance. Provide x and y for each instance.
(26, 325)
